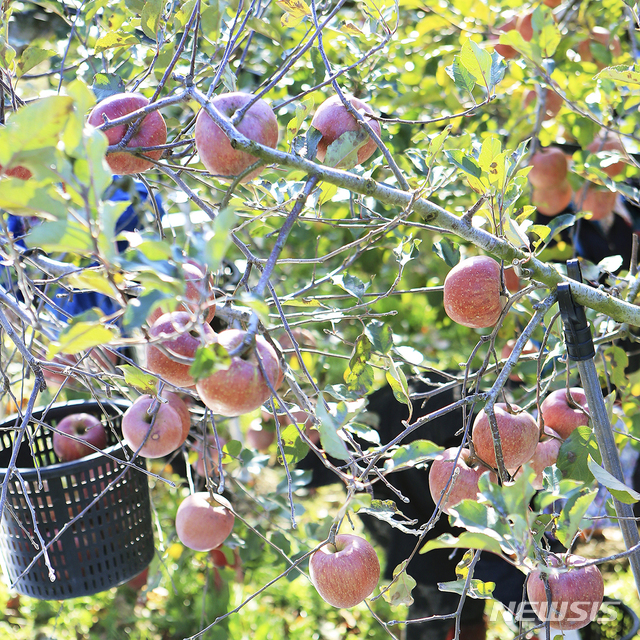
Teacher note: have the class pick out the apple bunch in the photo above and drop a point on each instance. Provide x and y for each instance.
(551, 191)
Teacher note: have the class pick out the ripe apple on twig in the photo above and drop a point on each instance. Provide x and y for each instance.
(472, 292)
(259, 124)
(166, 434)
(345, 573)
(576, 593)
(519, 436)
(241, 387)
(204, 522)
(179, 337)
(333, 120)
(85, 427)
(151, 132)
(562, 418)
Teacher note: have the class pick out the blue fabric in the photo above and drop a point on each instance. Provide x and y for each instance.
(128, 221)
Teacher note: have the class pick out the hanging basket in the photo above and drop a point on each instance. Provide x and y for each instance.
(111, 543)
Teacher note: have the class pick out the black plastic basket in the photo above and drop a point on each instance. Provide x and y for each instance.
(110, 544)
(616, 621)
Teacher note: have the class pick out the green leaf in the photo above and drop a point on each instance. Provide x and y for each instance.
(618, 489)
(303, 109)
(93, 280)
(380, 336)
(575, 452)
(466, 540)
(398, 383)
(114, 39)
(106, 84)
(351, 284)
(461, 76)
(572, 513)
(617, 361)
(477, 62)
(476, 589)
(621, 74)
(80, 336)
(209, 359)
(329, 426)
(294, 447)
(412, 455)
(342, 153)
(387, 511)
(359, 374)
(30, 197)
(399, 591)
(447, 251)
(31, 57)
(498, 69)
(61, 235)
(150, 18)
(528, 49)
(464, 161)
(143, 382)
(295, 12)
(218, 243)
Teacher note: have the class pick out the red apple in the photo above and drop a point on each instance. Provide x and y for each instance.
(599, 202)
(197, 293)
(259, 438)
(16, 172)
(139, 581)
(519, 436)
(505, 50)
(152, 131)
(345, 573)
(84, 426)
(559, 416)
(472, 292)
(552, 103)
(217, 154)
(178, 336)
(167, 432)
(204, 522)
(549, 168)
(576, 593)
(546, 454)
(332, 119)
(240, 388)
(180, 407)
(465, 484)
(551, 201)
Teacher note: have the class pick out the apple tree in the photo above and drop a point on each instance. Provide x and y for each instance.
(273, 210)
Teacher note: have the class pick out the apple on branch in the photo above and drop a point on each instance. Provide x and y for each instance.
(240, 388)
(472, 292)
(576, 592)
(178, 335)
(151, 132)
(166, 434)
(339, 127)
(463, 487)
(519, 436)
(197, 293)
(204, 522)
(216, 152)
(345, 573)
(562, 418)
(84, 426)
(545, 455)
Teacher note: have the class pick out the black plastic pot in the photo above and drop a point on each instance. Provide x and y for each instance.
(111, 543)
